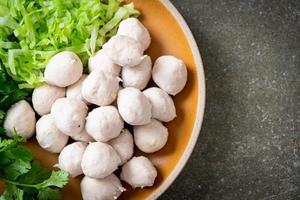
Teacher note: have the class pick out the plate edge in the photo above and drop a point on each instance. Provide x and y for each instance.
(201, 100)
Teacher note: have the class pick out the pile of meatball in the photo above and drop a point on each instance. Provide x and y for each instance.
(93, 109)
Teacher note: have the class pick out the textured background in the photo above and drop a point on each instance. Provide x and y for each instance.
(249, 147)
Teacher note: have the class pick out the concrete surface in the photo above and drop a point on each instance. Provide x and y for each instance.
(249, 146)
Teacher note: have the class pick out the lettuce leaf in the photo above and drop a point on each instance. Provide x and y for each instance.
(32, 31)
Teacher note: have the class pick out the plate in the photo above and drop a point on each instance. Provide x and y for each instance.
(170, 35)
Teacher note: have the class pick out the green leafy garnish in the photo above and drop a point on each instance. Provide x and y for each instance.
(25, 178)
(32, 31)
(12, 193)
(10, 93)
(49, 194)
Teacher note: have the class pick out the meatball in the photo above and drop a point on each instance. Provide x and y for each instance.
(69, 115)
(139, 75)
(44, 96)
(151, 137)
(83, 136)
(100, 88)
(104, 123)
(99, 160)
(48, 135)
(20, 119)
(124, 51)
(108, 188)
(170, 74)
(134, 107)
(139, 172)
(163, 107)
(133, 28)
(74, 90)
(101, 61)
(70, 158)
(124, 145)
(63, 69)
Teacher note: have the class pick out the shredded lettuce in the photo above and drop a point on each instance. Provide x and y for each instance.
(32, 31)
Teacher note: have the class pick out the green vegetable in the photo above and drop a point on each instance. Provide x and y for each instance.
(25, 178)
(9, 93)
(32, 31)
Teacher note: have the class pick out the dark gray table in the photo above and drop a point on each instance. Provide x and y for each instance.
(249, 147)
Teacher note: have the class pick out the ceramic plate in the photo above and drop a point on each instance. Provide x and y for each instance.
(170, 35)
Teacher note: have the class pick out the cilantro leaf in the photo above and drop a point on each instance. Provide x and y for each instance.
(57, 179)
(35, 175)
(49, 194)
(10, 93)
(2, 114)
(26, 179)
(16, 160)
(16, 169)
(12, 192)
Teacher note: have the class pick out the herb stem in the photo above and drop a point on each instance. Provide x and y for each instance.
(21, 184)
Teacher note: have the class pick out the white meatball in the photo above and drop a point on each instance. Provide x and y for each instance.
(63, 69)
(69, 115)
(124, 51)
(134, 107)
(99, 160)
(139, 75)
(151, 137)
(74, 90)
(108, 188)
(139, 172)
(70, 158)
(44, 96)
(104, 123)
(132, 27)
(48, 135)
(170, 74)
(20, 118)
(124, 145)
(83, 136)
(100, 88)
(163, 107)
(101, 61)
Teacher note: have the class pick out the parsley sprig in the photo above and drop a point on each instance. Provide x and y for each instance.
(24, 178)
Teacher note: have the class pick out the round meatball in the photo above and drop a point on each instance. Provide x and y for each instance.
(108, 188)
(104, 123)
(70, 158)
(101, 61)
(133, 28)
(69, 115)
(139, 172)
(124, 145)
(74, 90)
(163, 107)
(124, 51)
(83, 136)
(139, 75)
(151, 137)
(100, 88)
(134, 107)
(48, 136)
(20, 119)
(170, 74)
(99, 160)
(44, 96)
(63, 69)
